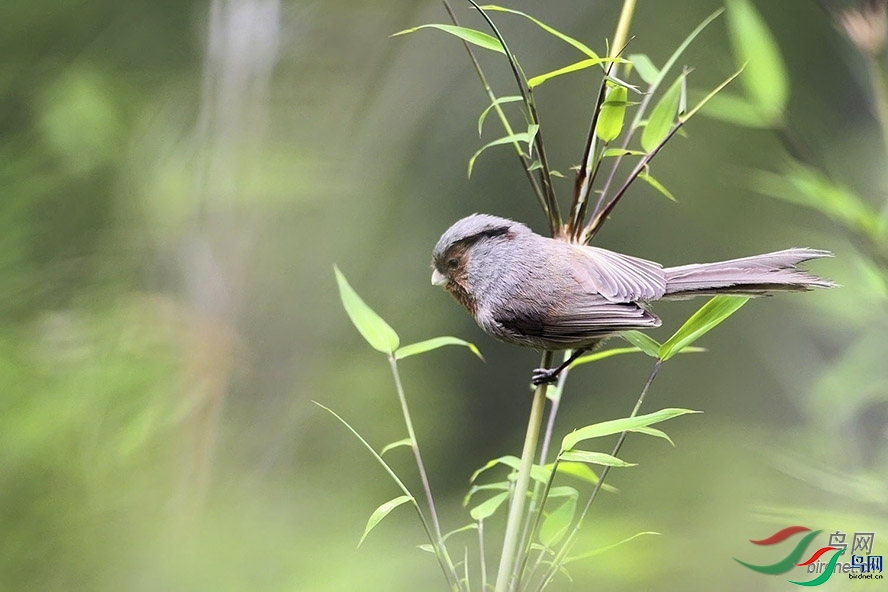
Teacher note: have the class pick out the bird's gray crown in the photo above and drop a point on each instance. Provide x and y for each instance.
(474, 227)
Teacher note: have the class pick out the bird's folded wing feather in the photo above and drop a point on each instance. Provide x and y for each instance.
(617, 277)
(579, 320)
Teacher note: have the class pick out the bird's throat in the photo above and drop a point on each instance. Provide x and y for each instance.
(462, 295)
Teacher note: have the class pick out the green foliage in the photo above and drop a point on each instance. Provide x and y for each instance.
(557, 34)
(433, 344)
(766, 81)
(549, 529)
(613, 112)
(470, 35)
(704, 320)
(377, 332)
(616, 426)
(523, 137)
(381, 512)
(662, 117)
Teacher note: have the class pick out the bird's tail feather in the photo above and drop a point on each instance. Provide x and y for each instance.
(750, 276)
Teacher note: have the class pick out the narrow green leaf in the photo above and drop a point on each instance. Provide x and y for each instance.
(498, 486)
(487, 508)
(645, 67)
(810, 187)
(662, 117)
(608, 353)
(393, 445)
(564, 491)
(613, 112)
(597, 552)
(736, 110)
(611, 152)
(557, 522)
(471, 35)
(653, 432)
(537, 473)
(623, 83)
(664, 71)
(615, 426)
(426, 547)
(510, 461)
(434, 343)
(366, 444)
(712, 94)
(701, 322)
(471, 526)
(643, 342)
(581, 65)
(567, 39)
(499, 101)
(583, 472)
(525, 137)
(766, 79)
(598, 458)
(381, 512)
(647, 178)
(376, 331)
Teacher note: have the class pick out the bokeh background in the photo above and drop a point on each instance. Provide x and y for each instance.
(178, 179)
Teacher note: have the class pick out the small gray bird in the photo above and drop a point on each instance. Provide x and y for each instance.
(549, 294)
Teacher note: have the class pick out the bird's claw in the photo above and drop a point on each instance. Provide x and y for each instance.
(544, 375)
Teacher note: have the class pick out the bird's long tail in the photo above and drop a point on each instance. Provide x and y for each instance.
(749, 276)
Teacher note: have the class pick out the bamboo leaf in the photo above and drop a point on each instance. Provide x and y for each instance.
(615, 426)
(564, 491)
(526, 137)
(471, 35)
(647, 178)
(645, 67)
(608, 353)
(498, 486)
(598, 458)
(370, 325)
(662, 117)
(766, 79)
(653, 432)
(381, 512)
(581, 65)
(393, 445)
(611, 152)
(664, 71)
(488, 507)
(499, 101)
(712, 94)
(736, 110)
(566, 38)
(701, 322)
(583, 472)
(432, 344)
(537, 473)
(643, 342)
(613, 113)
(557, 522)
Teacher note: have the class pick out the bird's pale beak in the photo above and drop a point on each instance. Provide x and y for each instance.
(438, 278)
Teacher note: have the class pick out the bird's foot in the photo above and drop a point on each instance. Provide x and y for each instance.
(544, 375)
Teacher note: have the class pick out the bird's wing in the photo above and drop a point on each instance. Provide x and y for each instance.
(574, 323)
(618, 278)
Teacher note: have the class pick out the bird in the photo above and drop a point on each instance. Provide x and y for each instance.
(550, 294)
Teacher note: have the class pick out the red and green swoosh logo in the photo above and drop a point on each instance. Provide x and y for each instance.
(792, 560)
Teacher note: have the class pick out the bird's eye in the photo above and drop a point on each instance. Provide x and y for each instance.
(453, 263)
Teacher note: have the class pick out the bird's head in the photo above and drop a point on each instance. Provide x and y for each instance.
(463, 248)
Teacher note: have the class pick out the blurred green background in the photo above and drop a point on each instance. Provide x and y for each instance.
(178, 178)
